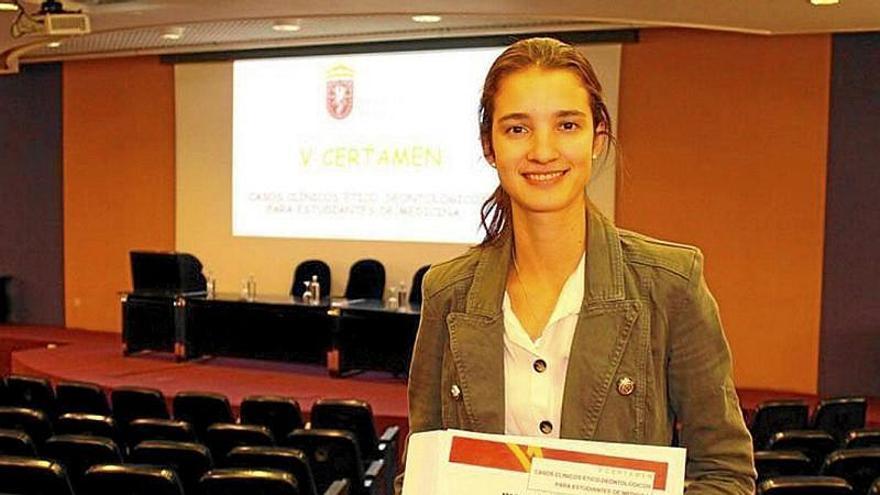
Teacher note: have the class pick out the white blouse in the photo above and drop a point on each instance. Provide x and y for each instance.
(534, 372)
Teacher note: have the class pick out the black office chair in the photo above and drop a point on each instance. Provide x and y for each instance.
(366, 280)
(80, 452)
(223, 437)
(35, 423)
(89, 424)
(281, 415)
(30, 392)
(415, 293)
(304, 272)
(775, 416)
(841, 415)
(202, 409)
(861, 439)
(235, 481)
(773, 463)
(189, 460)
(805, 485)
(285, 459)
(171, 430)
(130, 403)
(334, 455)
(27, 476)
(812, 443)
(81, 397)
(16, 443)
(859, 467)
(131, 479)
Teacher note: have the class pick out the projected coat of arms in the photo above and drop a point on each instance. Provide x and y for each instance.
(340, 91)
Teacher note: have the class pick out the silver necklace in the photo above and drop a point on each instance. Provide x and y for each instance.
(523, 289)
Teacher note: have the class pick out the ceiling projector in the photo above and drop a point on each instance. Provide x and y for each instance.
(53, 20)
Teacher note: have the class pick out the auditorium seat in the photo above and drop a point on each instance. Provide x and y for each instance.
(16, 443)
(366, 280)
(863, 438)
(189, 460)
(81, 397)
(35, 423)
(223, 437)
(874, 489)
(30, 392)
(285, 459)
(415, 291)
(334, 455)
(79, 452)
(356, 416)
(130, 403)
(27, 476)
(202, 409)
(805, 485)
(173, 430)
(859, 467)
(281, 415)
(303, 273)
(812, 443)
(89, 424)
(841, 415)
(770, 464)
(131, 479)
(775, 416)
(235, 481)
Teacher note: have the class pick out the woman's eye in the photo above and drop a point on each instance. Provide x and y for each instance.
(569, 126)
(516, 129)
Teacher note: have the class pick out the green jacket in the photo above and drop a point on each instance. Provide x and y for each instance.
(647, 316)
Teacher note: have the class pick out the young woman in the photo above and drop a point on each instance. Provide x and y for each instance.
(558, 323)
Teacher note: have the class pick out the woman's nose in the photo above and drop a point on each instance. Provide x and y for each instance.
(543, 147)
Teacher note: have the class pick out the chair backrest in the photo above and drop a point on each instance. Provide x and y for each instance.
(860, 467)
(863, 438)
(841, 415)
(16, 443)
(812, 443)
(89, 424)
(172, 430)
(415, 292)
(131, 479)
(130, 403)
(285, 459)
(223, 437)
(35, 423)
(805, 485)
(351, 415)
(770, 464)
(30, 392)
(281, 415)
(80, 452)
(202, 409)
(304, 272)
(236, 481)
(189, 460)
(26, 476)
(81, 397)
(366, 280)
(774, 416)
(333, 455)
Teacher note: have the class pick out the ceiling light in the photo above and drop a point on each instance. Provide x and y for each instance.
(286, 26)
(824, 2)
(54, 44)
(8, 7)
(172, 33)
(426, 18)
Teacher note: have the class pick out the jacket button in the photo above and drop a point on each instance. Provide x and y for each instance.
(626, 386)
(455, 391)
(546, 427)
(540, 365)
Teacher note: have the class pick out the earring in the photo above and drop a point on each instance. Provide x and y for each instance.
(595, 157)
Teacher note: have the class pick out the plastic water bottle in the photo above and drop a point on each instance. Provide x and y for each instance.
(211, 284)
(251, 287)
(315, 289)
(401, 294)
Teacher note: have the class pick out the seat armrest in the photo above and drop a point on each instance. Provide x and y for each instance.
(390, 434)
(375, 469)
(338, 487)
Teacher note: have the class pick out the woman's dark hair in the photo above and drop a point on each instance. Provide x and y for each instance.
(544, 53)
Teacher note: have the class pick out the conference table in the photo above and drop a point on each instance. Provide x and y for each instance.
(345, 335)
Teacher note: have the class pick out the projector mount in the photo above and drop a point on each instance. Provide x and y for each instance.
(51, 20)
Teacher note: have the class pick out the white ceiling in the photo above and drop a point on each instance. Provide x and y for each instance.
(126, 27)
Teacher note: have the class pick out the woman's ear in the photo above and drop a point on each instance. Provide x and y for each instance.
(488, 154)
(600, 140)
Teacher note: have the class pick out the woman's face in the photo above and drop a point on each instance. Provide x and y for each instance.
(542, 139)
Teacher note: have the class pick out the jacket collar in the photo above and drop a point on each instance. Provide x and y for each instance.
(603, 273)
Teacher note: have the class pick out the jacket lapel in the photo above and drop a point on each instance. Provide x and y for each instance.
(602, 333)
(476, 338)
